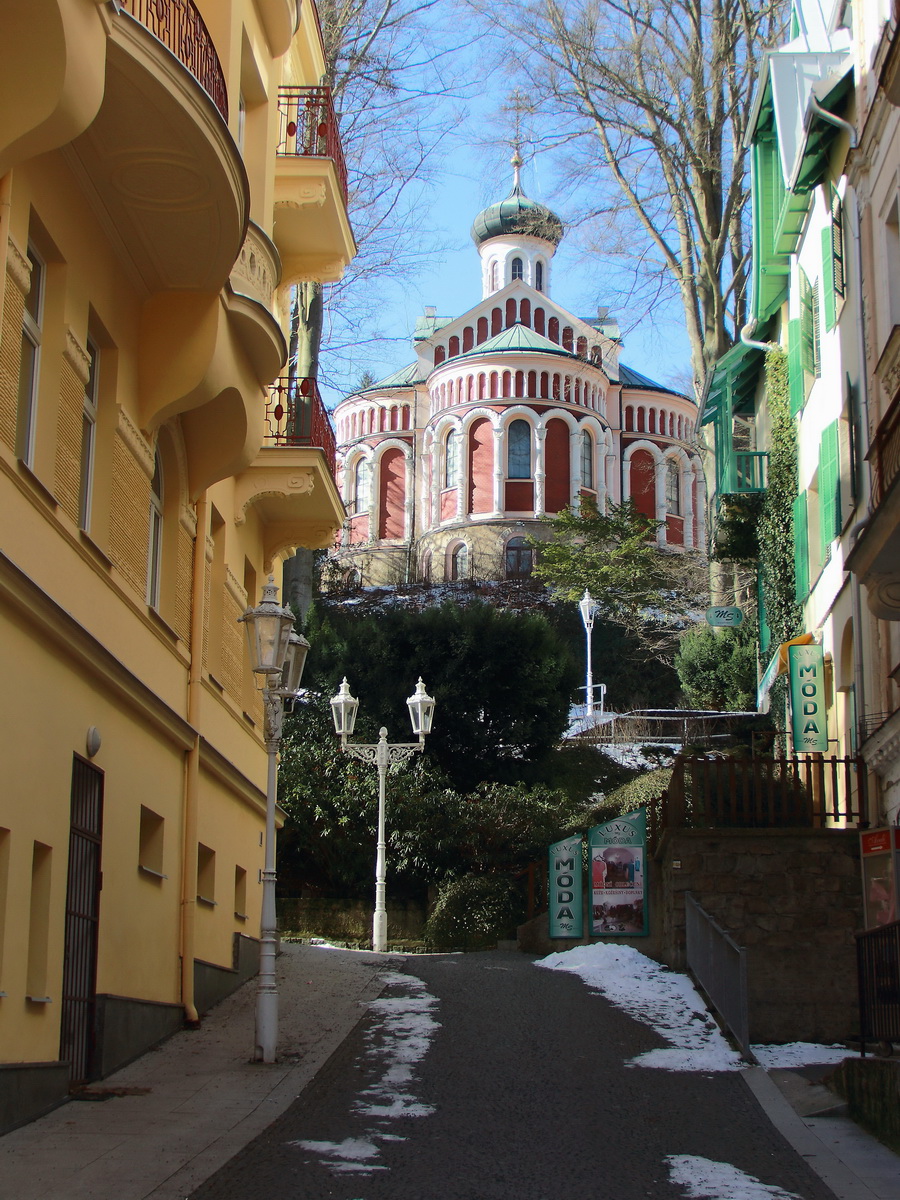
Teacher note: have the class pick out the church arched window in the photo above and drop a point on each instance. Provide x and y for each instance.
(519, 558)
(673, 488)
(451, 459)
(362, 486)
(518, 269)
(493, 276)
(518, 450)
(459, 561)
(587, 460)
(539, 276)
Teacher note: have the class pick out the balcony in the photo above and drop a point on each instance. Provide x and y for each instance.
(291, 485)
(312, 230)
(158, 162)
(739, 472)
(875, 558)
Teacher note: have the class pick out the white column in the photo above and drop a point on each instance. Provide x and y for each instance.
(408, 491)
(539, 470)
(574, 465)
(687, 506)
(499, 473)
(659, 480)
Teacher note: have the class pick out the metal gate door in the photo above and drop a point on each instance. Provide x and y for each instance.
(82, 913)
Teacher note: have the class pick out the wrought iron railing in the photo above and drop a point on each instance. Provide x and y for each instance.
(308, 128)
(179, 26)
(810, 791)
(296, 416)
(719, 965)
(884, 453)
(878, 965)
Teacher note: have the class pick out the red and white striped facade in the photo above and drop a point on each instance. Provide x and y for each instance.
(510, 413)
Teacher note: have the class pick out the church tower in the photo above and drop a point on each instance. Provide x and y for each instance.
(510, 413)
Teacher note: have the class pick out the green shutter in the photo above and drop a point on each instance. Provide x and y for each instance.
(801, 549)
(828, 276)
(829, 487)
(795, 367)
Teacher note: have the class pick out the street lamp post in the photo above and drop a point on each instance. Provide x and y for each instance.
(277, 658)
(382, 754)
(587, 606)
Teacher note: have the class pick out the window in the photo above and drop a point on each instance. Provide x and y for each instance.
(493, 276)
(426, 567)
(240, 894)
(32, 318)
(451, 459)
(459, 562)
(206, 874)
(150, 846)
(518, 270)
(362, 487)
(587, 460)
(673, 488)
(518, 450)
(539, 276)
(154, 555)
(38, 924)
(519, 558)
(88, 437)
(833, 263)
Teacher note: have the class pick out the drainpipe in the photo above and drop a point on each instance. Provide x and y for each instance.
(747, 340)
(829, 117)
(192, 768)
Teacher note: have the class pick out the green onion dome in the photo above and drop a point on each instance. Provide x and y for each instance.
(517, 215)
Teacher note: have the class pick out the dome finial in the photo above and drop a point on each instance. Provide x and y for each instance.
(516, 162)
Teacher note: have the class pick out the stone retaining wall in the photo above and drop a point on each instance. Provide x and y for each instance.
(348, 920)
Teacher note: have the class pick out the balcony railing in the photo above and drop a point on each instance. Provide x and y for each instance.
(296, 416)
(878, 965)
(179, 26)
(308, 128)
(743, 471)
(885, 453)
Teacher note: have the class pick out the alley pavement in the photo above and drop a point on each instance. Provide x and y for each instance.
(451, 1077)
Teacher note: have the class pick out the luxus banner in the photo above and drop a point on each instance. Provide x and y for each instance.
(618, 854)
(808, 722)
(564, 890)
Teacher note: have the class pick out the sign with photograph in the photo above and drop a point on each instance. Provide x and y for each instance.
(618, 856)
(880, 857)
(809, 726)
(565, 893)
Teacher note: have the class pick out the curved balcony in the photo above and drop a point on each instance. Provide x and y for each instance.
(158, 161)
(312, 230)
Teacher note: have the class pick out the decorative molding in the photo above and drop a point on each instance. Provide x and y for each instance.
(882, 749)
(77, 356)
(303, 195)
(257, 272)
(187, 518)
(254, 484)
(234, 585)
(884, 594)
(887, 369)
(135, 441)
(19, 268)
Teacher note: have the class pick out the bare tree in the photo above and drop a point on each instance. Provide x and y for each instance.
(388, 64)
(648, 105)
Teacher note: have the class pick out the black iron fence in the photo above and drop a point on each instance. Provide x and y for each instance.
(878, 965)
(719, 965)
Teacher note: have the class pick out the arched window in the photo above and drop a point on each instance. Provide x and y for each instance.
(459, 562)
(451, 459)
(362, 487)
(673, 488)
(518, 450)
(426, 567)
(519, 558)
(587, 460)
(518, 270)
(539, 276)
(494, 276)
(154, 554)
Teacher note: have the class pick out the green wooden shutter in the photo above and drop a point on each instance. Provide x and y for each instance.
(801, 549)
(829, 487)
(795, 367)
(828, 276)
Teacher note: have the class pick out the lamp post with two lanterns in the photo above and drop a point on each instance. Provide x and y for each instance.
(277, 657)
(382, 754)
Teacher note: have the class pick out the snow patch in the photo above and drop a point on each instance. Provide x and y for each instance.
(800, 1054)
(703, 1177)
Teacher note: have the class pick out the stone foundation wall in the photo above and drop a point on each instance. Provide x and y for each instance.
(349, 920)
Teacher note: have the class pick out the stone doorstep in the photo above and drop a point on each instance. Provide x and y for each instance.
(807, 1097)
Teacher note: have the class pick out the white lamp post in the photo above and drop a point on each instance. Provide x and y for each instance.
(587, 606)
(382, 754)
(277, 658)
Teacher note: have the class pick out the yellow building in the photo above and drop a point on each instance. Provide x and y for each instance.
(167, 170)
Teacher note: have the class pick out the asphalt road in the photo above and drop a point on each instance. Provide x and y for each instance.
(519, 1092)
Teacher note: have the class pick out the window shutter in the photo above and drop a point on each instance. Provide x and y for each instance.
(816, 330)
(807, 332)
(801, 550)
(795, 367)
(837, 246)
(828, 277)
(829, 488)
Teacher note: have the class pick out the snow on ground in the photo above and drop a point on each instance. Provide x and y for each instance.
(396, 1043)
(668, 1002)
(703, 1177)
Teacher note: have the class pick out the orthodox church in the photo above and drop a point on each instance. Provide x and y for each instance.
(510, 412)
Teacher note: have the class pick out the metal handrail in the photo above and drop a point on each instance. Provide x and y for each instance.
(308, 128)
(181, 29)
(296, 416)
(719, 965)
(878, 966)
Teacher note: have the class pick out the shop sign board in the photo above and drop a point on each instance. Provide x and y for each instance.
(565, 895)
(809, 727)
(618, 857)
(720, 617)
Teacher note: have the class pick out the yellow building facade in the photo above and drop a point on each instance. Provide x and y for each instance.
(167, 170)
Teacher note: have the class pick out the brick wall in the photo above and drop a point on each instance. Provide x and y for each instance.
(181, 618)
(129, 515)
(10, 358)
(67, 475)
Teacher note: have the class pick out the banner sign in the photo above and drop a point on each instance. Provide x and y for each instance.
(806, 666)
(618, 855)
(564, 889)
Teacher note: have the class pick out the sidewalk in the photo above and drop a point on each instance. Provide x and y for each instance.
(198, 1100)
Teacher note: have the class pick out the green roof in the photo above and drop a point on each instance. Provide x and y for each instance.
(517, 214)
(631, 378)
(405, 377)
